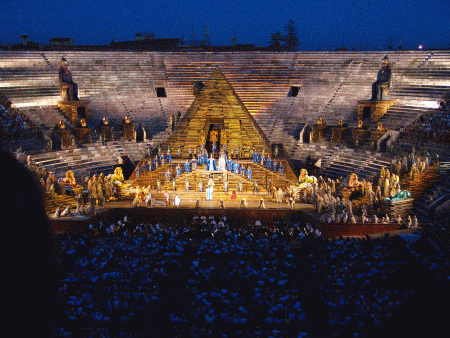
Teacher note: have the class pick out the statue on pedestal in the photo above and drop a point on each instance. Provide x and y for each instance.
(82, 124)
(82, 132)
(63, 137)
(69, 89)
(127, 127)
(321, 122)
(105, 130)
(383, 80)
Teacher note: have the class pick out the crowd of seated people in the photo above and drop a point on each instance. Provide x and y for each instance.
(441, 227)
(433, 126)
(13, 124)
(209, 278)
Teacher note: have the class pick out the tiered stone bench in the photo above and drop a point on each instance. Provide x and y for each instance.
(330, 84)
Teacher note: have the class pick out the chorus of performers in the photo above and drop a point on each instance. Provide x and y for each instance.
(270, 163)
(200, 157)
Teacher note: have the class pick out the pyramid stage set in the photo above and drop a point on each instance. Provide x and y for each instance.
(255, 135)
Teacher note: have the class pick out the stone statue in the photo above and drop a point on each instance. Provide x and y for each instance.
(105, 130)
(68, 87)
(383, 80)
(127, 127)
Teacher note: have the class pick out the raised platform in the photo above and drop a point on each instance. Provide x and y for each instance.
(75, 110)
(376, 109)
(83, 135)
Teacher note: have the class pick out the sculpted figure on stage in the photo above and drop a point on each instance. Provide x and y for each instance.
(353, 182)
(118, 175)
(70, 179)
(66, 81)
(304, 178)
(383, 80)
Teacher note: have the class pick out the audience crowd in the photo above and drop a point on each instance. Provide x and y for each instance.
(433, 126)
(207, 278)
(13, 124)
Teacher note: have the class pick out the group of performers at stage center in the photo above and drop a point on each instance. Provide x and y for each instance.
(224, 162)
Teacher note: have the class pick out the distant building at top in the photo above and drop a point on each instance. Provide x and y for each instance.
(61, 41)
(144, 36)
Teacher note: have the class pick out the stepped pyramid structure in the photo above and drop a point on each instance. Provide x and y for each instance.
(217, 107)
(217, 110)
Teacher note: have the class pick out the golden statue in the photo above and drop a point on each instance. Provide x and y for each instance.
(380, 126)
(70, 179)
(353, 181)
(202, 139)
(118, 175)
(213, 136)
(304, 178)
(320, 121)
(223, 137)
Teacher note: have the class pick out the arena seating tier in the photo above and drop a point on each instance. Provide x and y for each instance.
(124, 83)
(92, 159)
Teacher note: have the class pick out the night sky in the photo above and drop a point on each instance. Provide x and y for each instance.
(321, 24)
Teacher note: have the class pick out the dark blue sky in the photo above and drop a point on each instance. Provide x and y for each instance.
(321, 24)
